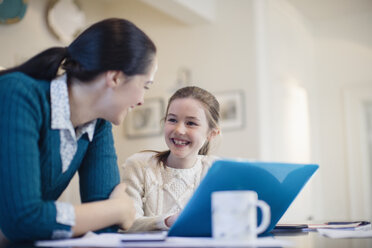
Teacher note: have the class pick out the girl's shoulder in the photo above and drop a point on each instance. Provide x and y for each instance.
(207, 160)
(141, 159)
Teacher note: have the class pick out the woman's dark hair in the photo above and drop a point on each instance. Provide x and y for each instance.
(111, 44)
(211, 109)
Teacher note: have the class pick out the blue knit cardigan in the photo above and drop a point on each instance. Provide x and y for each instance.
(31, 177)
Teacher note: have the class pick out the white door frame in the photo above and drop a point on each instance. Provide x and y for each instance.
(358, 161)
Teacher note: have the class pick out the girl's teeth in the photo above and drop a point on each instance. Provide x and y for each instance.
(179, 142)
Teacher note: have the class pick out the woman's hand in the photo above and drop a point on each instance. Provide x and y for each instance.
(129, 212)
(169, 221)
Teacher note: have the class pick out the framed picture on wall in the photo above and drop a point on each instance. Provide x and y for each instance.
(144, 121)
(231, 109)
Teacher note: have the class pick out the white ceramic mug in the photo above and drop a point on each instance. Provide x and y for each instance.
(234, 215)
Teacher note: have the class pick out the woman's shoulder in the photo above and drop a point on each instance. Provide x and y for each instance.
(18, 81)
(20, 77)
(20, 90)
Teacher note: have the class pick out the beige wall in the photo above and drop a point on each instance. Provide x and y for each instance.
(328, 56)
(263, 48)
(344, 66)
(23, 39)
(220, 57)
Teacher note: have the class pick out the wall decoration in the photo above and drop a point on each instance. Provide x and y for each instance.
(231, 110)
(183, 79)
(12, 11)
(145, 120)
(65, 19)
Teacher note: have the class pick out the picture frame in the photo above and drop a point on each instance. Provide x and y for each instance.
(232, 111)
(145, 120)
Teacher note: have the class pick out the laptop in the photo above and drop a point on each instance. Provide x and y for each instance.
(277, 184)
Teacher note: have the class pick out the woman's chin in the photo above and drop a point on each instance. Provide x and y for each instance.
(117, 121)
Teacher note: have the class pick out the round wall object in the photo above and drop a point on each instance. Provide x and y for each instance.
(12, 11)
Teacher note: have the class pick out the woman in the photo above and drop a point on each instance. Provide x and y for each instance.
(53, 126)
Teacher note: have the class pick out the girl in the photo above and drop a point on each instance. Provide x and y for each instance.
(161, 183)
(54, 126)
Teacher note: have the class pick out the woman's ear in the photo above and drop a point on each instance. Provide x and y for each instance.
(114, 78)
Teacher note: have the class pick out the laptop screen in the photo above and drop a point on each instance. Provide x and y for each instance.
(277, 184)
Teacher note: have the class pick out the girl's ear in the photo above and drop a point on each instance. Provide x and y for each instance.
(215, 132)
(114, 78)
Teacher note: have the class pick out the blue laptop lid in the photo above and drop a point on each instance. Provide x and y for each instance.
(275, 183)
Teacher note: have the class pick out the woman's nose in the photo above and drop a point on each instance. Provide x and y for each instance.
(141, 101)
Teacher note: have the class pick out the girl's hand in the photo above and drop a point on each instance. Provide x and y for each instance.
(169, 221)
(128, 211)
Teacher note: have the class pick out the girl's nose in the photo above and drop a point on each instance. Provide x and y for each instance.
(180, 128)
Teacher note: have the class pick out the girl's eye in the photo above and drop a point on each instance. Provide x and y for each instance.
(190, 123)
(147, 88)
(171, 120)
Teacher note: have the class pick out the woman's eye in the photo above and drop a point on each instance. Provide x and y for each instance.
(171, 120)
(147, 85)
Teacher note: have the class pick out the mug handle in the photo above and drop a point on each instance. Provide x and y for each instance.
(265, 220)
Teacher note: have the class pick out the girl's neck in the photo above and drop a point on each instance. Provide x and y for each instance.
(180, 163)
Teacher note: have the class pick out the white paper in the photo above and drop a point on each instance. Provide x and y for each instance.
(351, 226)
(116, 240)
(101, 240)
(337, 234)
(146, 236)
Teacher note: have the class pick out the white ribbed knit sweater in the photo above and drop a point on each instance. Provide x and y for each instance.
(159, 191)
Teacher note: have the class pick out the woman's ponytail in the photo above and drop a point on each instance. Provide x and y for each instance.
(44, 65)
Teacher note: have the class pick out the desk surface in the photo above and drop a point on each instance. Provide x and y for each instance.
(315, 240)
(301, 240)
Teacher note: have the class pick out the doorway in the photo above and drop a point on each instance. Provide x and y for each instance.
(358, 118)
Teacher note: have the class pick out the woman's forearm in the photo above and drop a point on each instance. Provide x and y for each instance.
(98, 215)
